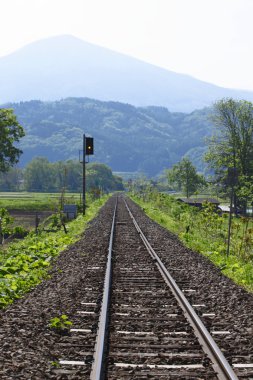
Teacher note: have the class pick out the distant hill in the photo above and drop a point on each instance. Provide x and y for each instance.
(65, 66)
(127, 138)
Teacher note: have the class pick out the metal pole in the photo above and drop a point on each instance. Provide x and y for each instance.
(230, 219)
(232, 181)
(1, 235)
(84, 180)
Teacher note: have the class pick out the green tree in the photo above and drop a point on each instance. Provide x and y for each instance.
(184, 177)
(68, 175)
(42, 175)
(39, 176)
(74, 175)
(231, 146)
(10, 133)
(11, 180)
(100, 176)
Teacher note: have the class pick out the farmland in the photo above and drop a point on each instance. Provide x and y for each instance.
(24, 263)
(23, 206)
(35, 201)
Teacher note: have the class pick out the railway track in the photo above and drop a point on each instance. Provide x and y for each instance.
(145, 332)
(146, 327)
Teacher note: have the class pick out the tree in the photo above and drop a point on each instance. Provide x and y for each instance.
(10, 132)
(42, 175)
(39, 176)
(185, 177)
(230, 149)
(68, 175)
(99, 176)
(11, 180)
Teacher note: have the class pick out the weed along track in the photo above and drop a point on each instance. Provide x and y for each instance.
(129, 319)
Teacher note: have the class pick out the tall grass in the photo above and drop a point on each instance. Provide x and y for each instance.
(206, 232)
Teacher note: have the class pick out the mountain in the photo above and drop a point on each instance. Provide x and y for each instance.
(66, 66)
(127, 138)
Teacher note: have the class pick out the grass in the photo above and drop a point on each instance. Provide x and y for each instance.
(206, 232)
(23, 205)
(35, 201)
(24, 264)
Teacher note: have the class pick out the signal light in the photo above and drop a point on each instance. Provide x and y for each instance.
(89, 148)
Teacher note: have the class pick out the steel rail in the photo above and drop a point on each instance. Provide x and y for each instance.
(98, 362)
(219, 362)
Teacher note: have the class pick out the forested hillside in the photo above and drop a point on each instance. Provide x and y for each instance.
(126, 138)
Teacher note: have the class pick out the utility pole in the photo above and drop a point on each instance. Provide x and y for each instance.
(232, 181)
(230, 218)
(1, 234)
(84, 174)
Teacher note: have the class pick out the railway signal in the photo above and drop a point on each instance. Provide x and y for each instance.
(89, 146)
(88, 150)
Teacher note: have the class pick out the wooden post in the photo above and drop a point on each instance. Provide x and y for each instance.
(37, 222)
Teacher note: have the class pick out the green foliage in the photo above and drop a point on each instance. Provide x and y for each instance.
(183, 176)
(11, 180)
(40, 175)
(232, 148)
(205, 231)
(7, 229)
(35, 201)
(99, 176)
(53, 222)
(60, 324)
(55, 364)
(127, 138)
(10, 133)
(24, 264)
(19, 232)
(5, 221)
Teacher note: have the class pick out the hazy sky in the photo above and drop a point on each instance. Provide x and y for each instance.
(209, 39)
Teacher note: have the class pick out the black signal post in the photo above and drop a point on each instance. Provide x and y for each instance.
(84, 179)
(88, 149)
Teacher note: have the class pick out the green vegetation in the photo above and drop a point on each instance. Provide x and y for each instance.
(230, 150)
(42, 176)
(5, 223)
(184, 177)
(10, 133)
(126, 138)
(60, 324)
(25, 263)
(27, 201)
(205, 231)
(7, 227)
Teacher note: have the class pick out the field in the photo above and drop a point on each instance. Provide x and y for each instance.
(35, 201)
(24, 262)
(24, 206)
